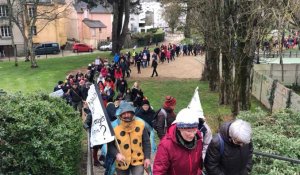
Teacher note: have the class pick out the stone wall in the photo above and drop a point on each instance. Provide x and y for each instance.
(262, 87)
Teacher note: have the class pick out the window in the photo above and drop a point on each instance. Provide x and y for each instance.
(3, 10)
(5, 31)
(31, 11)
(33, 30)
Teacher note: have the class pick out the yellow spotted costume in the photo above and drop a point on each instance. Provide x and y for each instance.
(129, 136)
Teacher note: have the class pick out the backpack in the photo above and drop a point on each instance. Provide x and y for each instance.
(155, 119)
(221, 149)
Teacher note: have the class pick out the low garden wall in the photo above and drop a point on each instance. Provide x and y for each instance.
(271, 92)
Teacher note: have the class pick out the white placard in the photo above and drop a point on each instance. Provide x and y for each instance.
(97, 61)
(100, 132)
(58, 93)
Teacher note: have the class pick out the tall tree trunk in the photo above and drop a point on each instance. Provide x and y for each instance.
(187, 27)
(12, 33)
(225, 94)
(206, 70)
(245, 75)
(244, 62)
(30, 48)
(213, 56)
(235, 108)
(115, 35)
(120, 27)
(126, 22)
(281, 48)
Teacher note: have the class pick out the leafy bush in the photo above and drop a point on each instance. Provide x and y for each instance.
(159, 36)
(277, 134)
(38, 135)
(154, 35)
(153, 30)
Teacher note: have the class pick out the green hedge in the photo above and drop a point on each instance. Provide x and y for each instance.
(38, 135)
(278, 134)
(159, 36)
(154, 35)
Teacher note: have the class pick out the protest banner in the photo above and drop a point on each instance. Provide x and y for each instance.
(58, 93)
(97, 61)
(101, 129)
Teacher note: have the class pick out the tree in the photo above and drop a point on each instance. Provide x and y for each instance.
(171, 15)
(187, 7)
(121, 10)
(26, 14)
(284, 12)
(229, 27)
(10, 6)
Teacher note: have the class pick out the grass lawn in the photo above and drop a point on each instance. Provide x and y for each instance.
(45, 77)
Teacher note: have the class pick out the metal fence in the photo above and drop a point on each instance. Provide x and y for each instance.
(276, 157)
(276, 54)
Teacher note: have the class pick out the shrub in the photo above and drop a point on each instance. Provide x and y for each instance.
(154, 35)
(159, 36)
(38, 135)
(277, 134)
(152, 30)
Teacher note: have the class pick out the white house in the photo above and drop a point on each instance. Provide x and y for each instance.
(150, 17)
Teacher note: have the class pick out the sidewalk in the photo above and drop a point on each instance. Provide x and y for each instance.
(61, 54)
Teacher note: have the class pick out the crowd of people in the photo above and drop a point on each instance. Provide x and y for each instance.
(111, 76)
(186, 143)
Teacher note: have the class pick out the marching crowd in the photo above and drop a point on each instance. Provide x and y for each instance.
(186, 144)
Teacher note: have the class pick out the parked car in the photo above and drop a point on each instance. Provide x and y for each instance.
(80, 47)
(106, 47)
(47, 48)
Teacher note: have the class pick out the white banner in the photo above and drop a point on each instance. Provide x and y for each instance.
(58, 93)
(100, 130)
(97, 61)
(195, 104)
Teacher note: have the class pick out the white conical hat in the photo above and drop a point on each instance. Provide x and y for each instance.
(195, 104)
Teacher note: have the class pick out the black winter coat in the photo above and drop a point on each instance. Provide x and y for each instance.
(147, 116)
(235, 160)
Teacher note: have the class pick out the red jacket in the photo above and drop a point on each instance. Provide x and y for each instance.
(104, 72)
(118, 73)
(174, 159)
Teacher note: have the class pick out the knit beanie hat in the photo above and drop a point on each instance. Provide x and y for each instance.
(186, 118)
(169, 101)
(145, 102)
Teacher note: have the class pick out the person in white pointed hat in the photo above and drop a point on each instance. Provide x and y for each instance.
(180, 150)
(195, 106)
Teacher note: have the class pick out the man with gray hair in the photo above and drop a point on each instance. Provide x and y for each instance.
(230, 151)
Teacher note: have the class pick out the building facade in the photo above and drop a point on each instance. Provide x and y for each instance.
(6, 48)
(94, 25)
(150, 17)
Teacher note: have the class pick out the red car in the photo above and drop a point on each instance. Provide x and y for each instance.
(80, 47)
